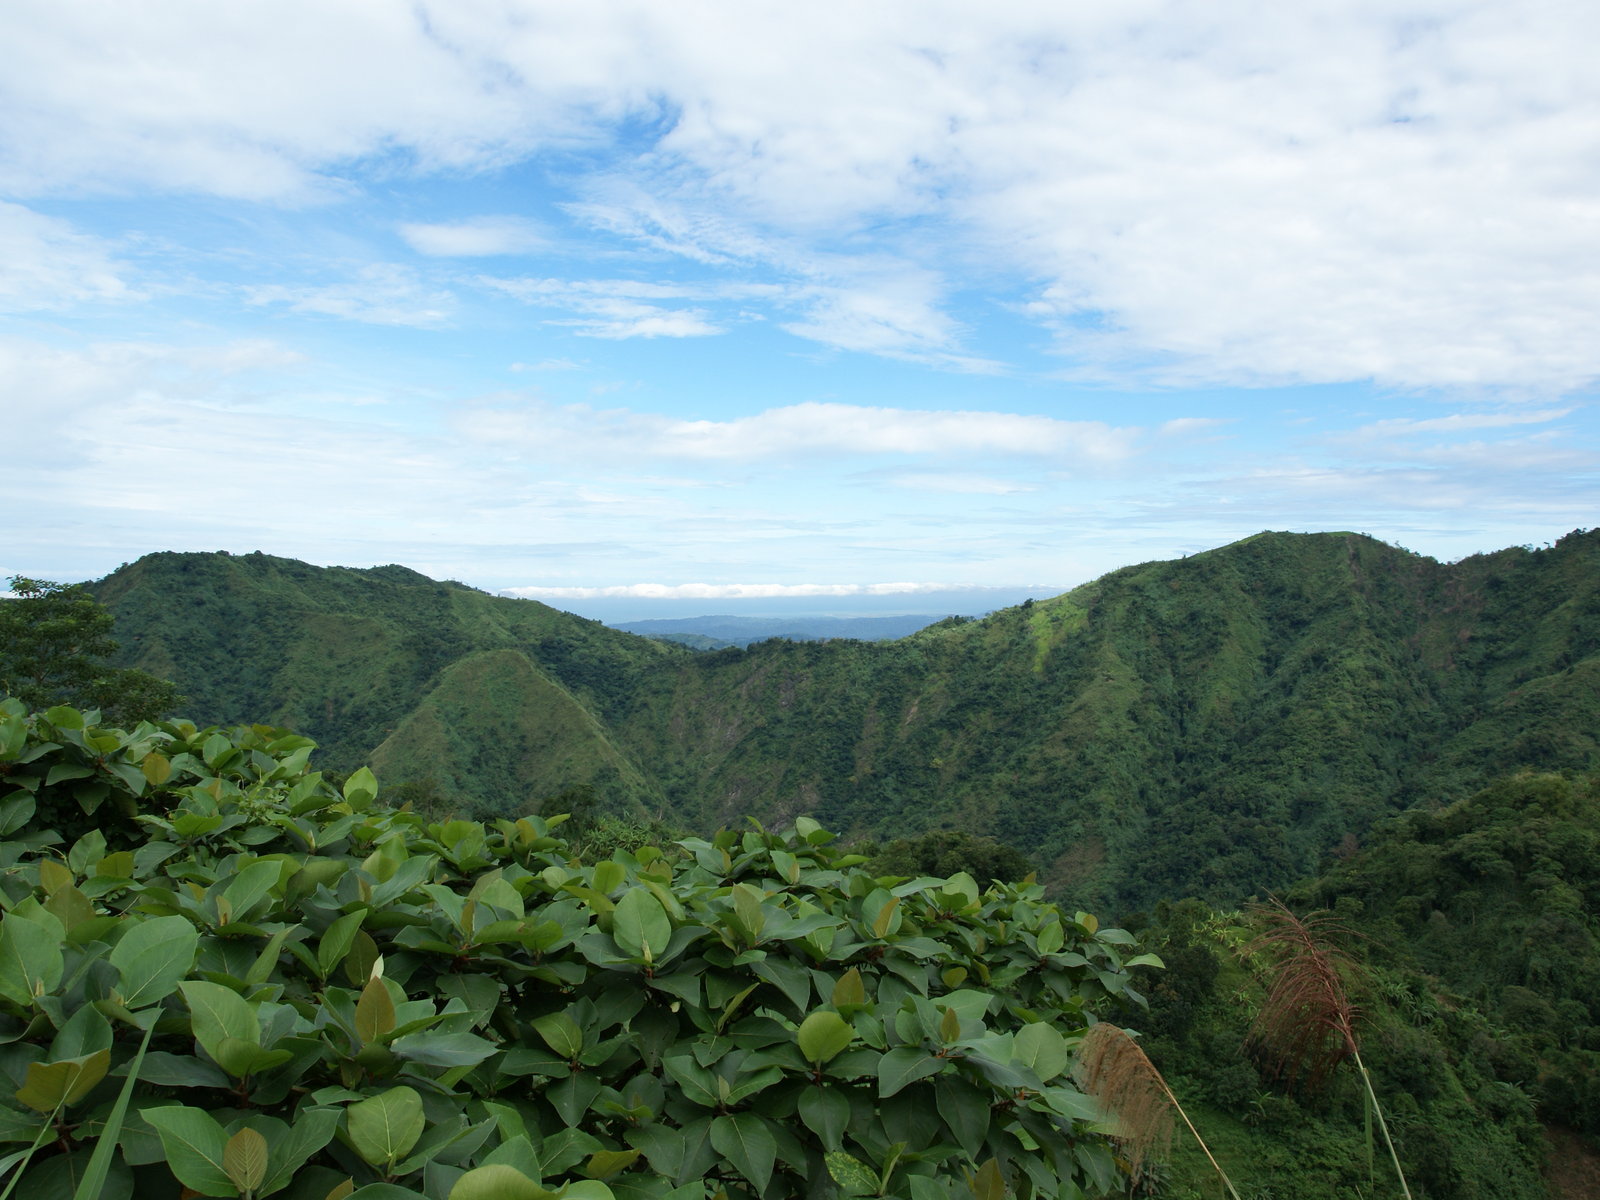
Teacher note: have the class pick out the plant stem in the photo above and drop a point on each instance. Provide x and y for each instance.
(1383, 1125)
(1228, 1183)
(49, 1126)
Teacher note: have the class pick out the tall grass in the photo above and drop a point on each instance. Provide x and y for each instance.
(1307, 1025)
(1114, 1069)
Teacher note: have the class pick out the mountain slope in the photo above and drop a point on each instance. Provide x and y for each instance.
(1208, 726)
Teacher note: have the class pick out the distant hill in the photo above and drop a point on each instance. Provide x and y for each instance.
(1209, 726)
(721, 632)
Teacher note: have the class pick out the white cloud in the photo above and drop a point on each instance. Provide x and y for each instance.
(800, 430)
(46, 264)
(613, 308)
(548, 364)
(478, 237)
(1231, 192)
(1462, 422)
(380, 294)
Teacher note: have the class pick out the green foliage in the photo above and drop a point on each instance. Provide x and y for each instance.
(949, 851)
(54, 640)
(1478, 972)
(286, 988)
(1205, 727)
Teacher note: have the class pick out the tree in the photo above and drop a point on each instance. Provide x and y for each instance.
(948, 851)
(54, 640)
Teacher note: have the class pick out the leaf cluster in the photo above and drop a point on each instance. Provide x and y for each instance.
(286, 989)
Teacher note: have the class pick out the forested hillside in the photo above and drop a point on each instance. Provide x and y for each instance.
(1211, 726)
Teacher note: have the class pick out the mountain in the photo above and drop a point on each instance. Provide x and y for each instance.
(720, 632)
(1209, 726)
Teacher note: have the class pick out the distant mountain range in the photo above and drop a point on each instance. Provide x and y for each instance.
(1209, 726)
(721, 632)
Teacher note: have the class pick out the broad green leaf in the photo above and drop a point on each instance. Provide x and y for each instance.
(640, 925)
(218, 1012)
(152, 957)
(823, 1035)
(443, 1049)
(1051, 938)
(71, 907)
(608, 876)
(30, 959)
(361, 789)
(1042, 1048)
(244, 1159)
(950, 1027)
(747, 908)
(310, 1131)
(1145, 960)
(744, 1139)
(905, 1065)
(156, 767)
(497, 1182)
(561, 1033)
(385, 1127)
(607, 1163)
(250, 885)
(194, 1144)
(989, 1183)
(115, 866)
(53, 876)
(85, 1032)
(362, 959)
(374, 1012)
(851, 1175)
(336, 941)
(887, 919)
(50, 1086)
(826, 1112)
(966, 1110)
(848, 990)
(242, 1059)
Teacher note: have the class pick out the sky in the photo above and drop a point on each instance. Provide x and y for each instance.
(635, 307)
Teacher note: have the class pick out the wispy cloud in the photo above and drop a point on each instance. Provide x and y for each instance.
(46, 263)
(1462, 422)
(614, 308)
(477, 237)
(804, 429)
(379, 294)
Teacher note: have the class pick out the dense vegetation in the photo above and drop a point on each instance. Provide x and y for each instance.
(1474, 980)
(253, 984)
(55, 646)
(1479, 946)
(1211, 727)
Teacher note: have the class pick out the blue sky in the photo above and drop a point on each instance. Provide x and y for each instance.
(812, 304)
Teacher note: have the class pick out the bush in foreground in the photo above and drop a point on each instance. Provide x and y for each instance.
(281, 989)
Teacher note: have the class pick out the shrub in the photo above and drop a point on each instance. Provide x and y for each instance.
(301, 991)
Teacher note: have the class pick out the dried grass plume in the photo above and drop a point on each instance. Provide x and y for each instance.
(1116, 1072)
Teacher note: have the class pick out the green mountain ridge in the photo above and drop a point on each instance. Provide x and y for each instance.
(1209, 726)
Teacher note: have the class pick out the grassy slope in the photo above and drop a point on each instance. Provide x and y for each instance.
(1208, 726)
